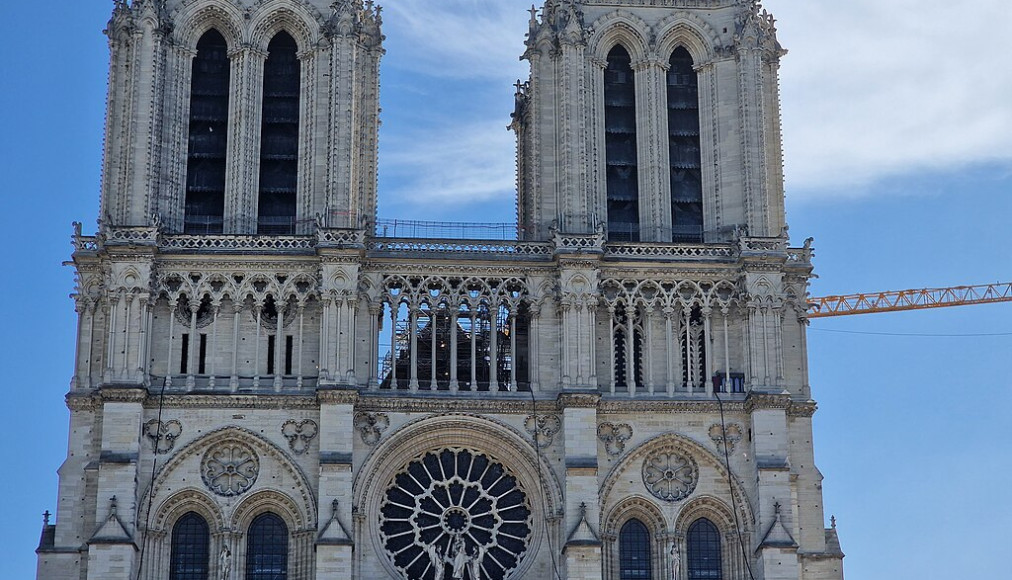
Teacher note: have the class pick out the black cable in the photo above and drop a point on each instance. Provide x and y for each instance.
(151, 485)
(919, 334)
(541, 483)
(730, 487)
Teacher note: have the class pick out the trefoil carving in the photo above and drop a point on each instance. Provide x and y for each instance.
(731, 435)
(299, 434)
(614, 437)
(543, 428)
(163, 435)
(371, 426)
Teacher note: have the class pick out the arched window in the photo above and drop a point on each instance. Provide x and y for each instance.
(267, 549)
(620, 143)
(208, 137)
(634, 551)
(703, 542)
(190, 552)
(279, 138)
(683, 149)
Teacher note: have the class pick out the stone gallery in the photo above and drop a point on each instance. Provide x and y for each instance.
(268, 386)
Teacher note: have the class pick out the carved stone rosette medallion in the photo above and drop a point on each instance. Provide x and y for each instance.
(455, 512)
(230, 468)
(670, 475)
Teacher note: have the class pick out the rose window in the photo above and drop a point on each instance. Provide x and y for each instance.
(455, 514)
(669, 475)
(230, 468)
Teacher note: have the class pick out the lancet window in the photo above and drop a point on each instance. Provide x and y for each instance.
(208, 136)
(454, 334)
(634, 551)
(684, 149)
(190, 551)
(671, 336)
(620, 144)
(279, 140)
(703, 547)
(267, 548)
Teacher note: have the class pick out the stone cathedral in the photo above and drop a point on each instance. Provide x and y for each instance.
(268, 386)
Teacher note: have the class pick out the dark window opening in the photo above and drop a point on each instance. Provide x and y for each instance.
(267, 549)
(202, 361)
(634, 551)
(620, 145)
(289, 347)
(270, 354)
(703, 541)
(189, 557)
(693, 350)
(208, 137)
(684, 149)
(184, 355)
(279, 140)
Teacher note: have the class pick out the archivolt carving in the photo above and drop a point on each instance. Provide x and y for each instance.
(195, 17)
(690, 448)
(689, 30)
(269, 500)
(639, 507)
(499, 441)
(712, 508)
(619, 27)
(265, 450)
(273, 16)
(183, 501)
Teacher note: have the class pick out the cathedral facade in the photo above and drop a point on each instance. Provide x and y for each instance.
(266, 389)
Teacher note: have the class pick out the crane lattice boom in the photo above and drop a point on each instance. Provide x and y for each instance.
(909, 299)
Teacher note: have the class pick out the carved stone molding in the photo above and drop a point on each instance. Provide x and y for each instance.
(163, 435)
(669, 474)
(371, 426)
(543, 428)
(455, 405)
(614, 437)
(230, 468)
(337, 397)
(299, 434)
(579, 400)
(731, 434)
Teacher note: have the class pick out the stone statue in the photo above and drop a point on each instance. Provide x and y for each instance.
(474, 565)
(225, 563)
(438, 565)
(676, 561)
(459, 561)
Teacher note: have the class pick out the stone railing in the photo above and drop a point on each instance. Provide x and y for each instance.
(226, 243)
(130, 236)
(471, 247)
(85, 243)
(628, 250)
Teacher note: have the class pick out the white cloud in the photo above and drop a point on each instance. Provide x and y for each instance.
(470, 163)
(871, 89)
(474, 39)
(874, 89)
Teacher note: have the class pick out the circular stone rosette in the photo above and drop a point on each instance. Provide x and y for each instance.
(455, 511)
(670, 475)
(230, 468)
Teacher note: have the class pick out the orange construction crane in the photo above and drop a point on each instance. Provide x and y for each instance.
(908, 300)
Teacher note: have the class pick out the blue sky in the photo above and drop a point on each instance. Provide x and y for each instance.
(898, 135)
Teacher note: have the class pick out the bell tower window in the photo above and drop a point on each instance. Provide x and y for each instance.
(208, 140)
(684, 149)
(279, 141)
(620, 143)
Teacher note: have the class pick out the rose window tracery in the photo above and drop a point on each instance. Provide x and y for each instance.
(455, 513)
(670, 475)
(230, 468)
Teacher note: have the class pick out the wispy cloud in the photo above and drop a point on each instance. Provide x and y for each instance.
(877, 89)
(471, 163)
(871, 90)
(457, 38)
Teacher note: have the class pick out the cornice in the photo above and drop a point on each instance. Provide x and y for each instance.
(454, 405)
